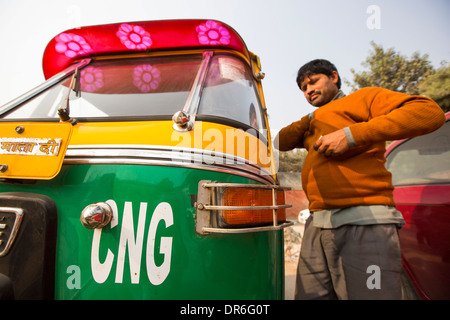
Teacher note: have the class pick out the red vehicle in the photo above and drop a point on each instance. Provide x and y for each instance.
(420, 170)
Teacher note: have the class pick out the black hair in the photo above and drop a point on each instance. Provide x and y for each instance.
(318, 66)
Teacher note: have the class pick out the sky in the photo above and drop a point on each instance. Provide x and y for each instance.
(285, 34)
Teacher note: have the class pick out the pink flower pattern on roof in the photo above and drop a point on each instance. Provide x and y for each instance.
(72, 45)
(146, 77)
(134, 36)
(212, 33)
(91, 79)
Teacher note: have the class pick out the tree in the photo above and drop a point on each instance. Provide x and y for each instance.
(437, 87)
(389, 69)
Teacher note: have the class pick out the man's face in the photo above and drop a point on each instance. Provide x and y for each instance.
(319, 88)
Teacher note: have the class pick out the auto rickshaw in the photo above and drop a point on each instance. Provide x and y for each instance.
(142, 168)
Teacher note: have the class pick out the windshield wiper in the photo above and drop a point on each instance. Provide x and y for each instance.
(64, 110)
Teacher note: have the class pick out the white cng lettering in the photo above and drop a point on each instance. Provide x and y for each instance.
(100, 271)
(156, 274)
(134, 244)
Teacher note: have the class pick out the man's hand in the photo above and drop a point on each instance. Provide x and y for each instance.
(333, 144)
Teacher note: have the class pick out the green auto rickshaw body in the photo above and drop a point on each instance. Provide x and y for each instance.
(169, 231)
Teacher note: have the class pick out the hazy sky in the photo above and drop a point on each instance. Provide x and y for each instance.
(284, 33)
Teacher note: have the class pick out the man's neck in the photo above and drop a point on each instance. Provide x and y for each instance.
(338, 95)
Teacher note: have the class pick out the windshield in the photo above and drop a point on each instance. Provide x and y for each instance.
(153, 86)
(422, 160)
(133, 87)
(230, 93)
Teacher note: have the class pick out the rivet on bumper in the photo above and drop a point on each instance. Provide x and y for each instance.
(19, 129)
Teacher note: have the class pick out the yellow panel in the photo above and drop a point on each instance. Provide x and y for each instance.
(206, 135)
(33, 150)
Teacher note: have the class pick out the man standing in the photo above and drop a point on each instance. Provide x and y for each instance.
(350, 247)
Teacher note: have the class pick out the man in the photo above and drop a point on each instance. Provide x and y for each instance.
(350, 247)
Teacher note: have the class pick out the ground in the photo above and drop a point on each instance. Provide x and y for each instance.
(292, 243)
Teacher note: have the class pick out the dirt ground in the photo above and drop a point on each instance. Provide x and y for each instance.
(292, 243)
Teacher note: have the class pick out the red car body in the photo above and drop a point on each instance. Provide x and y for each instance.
(420, 170)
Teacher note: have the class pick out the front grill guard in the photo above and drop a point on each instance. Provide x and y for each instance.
(205, 208)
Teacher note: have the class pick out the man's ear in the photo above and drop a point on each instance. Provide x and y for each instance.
(334, 77)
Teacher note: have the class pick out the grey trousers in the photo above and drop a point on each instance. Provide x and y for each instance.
(349, 262)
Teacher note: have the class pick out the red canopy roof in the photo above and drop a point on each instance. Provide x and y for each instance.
(120, 38)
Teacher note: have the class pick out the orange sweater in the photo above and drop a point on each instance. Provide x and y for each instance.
(359, 177)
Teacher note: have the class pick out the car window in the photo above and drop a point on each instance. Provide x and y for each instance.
(422, 160)
(129, 87)
(230, 93)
